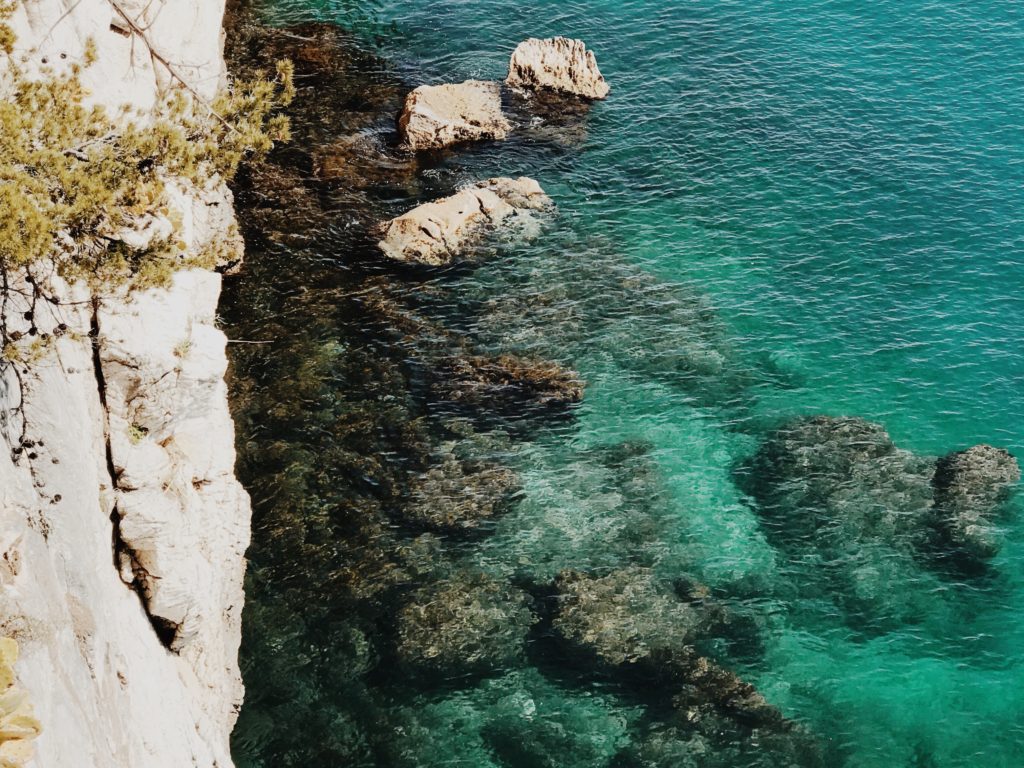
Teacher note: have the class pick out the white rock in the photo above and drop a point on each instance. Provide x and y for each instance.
(558, 63)
(107, 690)
(435, 234)
(437, 116)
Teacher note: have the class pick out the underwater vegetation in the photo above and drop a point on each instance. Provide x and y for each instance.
(471, 545)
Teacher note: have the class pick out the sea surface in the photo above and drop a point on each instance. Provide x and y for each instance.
(783, 209)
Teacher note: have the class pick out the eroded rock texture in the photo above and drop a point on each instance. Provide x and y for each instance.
(437, 233)
(558, 63)
(437, 116)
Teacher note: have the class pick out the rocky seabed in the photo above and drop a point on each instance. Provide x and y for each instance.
(427, 397)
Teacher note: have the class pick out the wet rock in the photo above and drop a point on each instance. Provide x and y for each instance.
(633, 627)
(341, 87)
(506, 386)
(342, 122)
(551, 117)
(850, 512)
(456, 496)
(467, 624)
(436, 233)
(278, 202)
(437, 116)
(558, 63)
(558, 301)
(623, 618)
(970, 487)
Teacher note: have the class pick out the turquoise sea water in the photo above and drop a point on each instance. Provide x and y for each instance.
(836, 188)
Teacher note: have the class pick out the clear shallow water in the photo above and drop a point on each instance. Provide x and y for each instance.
(838, 187)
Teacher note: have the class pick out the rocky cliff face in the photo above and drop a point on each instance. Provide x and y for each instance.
(122, 527)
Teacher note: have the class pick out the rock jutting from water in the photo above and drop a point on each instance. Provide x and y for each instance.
(436, 233)
(437, 116)
(558, 63)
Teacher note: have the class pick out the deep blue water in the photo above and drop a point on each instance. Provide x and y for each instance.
(840, 184)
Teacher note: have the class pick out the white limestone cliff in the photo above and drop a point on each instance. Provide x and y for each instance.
(122, 526)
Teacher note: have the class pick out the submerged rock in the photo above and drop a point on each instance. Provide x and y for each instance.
(824, 482)
(467, 624)
(361, 161)
(558, 63)
(435, 234)
(437, 116)
(506, 386)
(549, 117)
(870, 527)
(458, 496)
(633, 627)
(717, 743)
(969, 488)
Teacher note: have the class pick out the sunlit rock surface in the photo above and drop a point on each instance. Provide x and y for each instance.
(558, 63)
(437, 116)
(122, 528)
(435, 234)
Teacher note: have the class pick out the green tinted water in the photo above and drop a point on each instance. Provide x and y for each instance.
(839, 186)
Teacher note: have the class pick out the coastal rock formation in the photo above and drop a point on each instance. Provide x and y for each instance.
(467, 624)
(456, 496)
(437, 116)
(558, 63)
(837, 497)
(969, 488)
(824, 481)
(868, 521)
(634, 628)
(122, 528)
(435, 234)
(18, 724)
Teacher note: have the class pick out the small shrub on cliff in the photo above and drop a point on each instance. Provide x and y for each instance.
(84, 193)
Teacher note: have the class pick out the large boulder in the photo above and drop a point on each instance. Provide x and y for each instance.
(437, 116)
(435, 234)
(557, 63)
(970, 487)
(467, 624)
